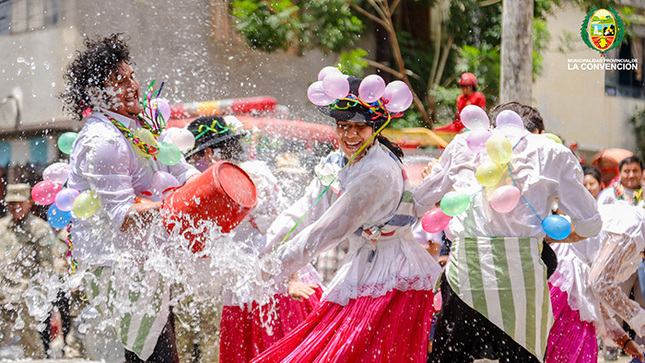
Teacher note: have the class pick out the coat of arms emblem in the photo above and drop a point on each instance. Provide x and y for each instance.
(602, 29)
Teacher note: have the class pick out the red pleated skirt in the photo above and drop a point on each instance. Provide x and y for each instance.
(391, 328)
(247, 332)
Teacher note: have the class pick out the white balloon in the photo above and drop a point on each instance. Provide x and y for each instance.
(57, 172)
(183, 139)
(161, 182)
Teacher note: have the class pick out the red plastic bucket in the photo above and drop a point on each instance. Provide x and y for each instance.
(223, 194)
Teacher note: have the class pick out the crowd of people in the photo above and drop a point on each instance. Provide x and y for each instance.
(491, 284)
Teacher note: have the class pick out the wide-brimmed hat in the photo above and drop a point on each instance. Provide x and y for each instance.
(17, 193)
(353, 111)
(210, 131)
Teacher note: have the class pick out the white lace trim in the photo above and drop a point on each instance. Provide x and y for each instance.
(347, 290)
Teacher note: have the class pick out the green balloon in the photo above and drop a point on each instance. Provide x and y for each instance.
(169, 153)
(454, 203)
(86, 204)
(66, 141)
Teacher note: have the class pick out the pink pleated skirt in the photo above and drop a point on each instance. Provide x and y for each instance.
(247, 332)
(391, 328)
(570, 339)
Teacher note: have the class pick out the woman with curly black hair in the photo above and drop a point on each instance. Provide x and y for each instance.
(114, 158)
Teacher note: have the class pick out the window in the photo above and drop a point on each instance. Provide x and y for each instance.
(628, 82)
(18, 16)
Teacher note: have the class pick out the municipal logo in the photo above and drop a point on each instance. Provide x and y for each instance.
(602, 29)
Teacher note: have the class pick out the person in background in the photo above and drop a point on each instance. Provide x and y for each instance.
(291, 176)
(25, 254)
(468, 96)
(628, 187)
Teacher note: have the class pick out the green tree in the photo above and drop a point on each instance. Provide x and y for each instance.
(461, 35)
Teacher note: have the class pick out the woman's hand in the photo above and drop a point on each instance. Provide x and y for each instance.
(140, 214)
(428, 169)
(299, 290)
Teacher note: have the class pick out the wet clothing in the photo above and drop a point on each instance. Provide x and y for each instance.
(384, 287)
(541, 170)
(104, 161)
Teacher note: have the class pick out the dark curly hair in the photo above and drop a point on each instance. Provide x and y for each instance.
(89, 72)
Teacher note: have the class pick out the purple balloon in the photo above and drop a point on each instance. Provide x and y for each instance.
(473, 117)
(65, 199)
(318, 96)
(397, 96)
(163, 107)
(508, 118)
(336, 85)
(326, 71)
(371, 88)
(477, 138)
(56, 172)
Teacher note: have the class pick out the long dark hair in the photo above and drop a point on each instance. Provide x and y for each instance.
(395, 149)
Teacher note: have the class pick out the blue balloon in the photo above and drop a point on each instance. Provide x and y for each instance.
(556, 227)
(58, 218)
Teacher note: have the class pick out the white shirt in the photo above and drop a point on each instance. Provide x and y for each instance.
(370, 192)
(542, 170)
(103, 160)
(608, 196)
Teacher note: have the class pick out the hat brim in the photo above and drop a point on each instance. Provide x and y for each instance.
(15, 199)
(211, 143)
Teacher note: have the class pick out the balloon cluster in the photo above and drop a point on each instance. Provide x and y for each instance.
(496, 144)
(333, 86)
(64, 201)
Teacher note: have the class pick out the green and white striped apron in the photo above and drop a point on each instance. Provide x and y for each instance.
(139, 307)
(504, 279)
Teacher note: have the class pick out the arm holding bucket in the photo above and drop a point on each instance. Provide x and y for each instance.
(140, 215)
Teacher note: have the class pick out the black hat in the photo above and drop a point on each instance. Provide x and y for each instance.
(210, 131)
(353, 111)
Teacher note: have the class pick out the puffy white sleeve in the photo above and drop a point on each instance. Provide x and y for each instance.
(369, 194)
(107, 167)
(614, 264)
(441, 179)
(575, 199)
(302, 207)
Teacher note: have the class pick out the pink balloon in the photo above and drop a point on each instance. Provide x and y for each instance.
(371, 88)
(326, 71)
(336, 85)
(397, 96)
(508, 118)
(65, 199)
(318, 96)
(56, 172)
(44, 192)
(505, 198)
(473, 117)
(477, 138)
(435, 220)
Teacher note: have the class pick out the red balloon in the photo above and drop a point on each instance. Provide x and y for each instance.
(435, 220)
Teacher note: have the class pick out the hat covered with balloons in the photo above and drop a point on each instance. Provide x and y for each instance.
(367, 100)
(496, 144)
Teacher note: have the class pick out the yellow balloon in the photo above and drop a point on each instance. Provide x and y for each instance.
(499, 149)
(147, 137)
(552, 137)
(86, 204)
(489, 174)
